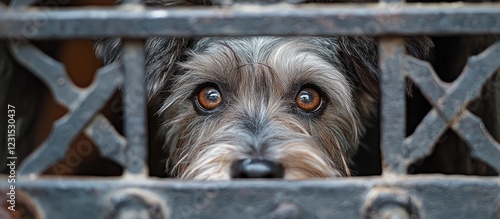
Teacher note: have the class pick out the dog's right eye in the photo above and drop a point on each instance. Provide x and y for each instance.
(308, 99)
(209, 98)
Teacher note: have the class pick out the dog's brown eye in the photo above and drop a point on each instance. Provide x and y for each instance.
(308, 99)
(209, 98)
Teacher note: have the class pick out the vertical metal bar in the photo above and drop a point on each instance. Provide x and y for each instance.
(393, 108)
(134, 95)
(495, 107)
(135, 104)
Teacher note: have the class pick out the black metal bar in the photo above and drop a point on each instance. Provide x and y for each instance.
(437, 196)
(422, 73)
(110, 143)
(369, 19)
(393, 110)
(133, 59)
(134, 102)
(421, 143)
(482, 145)
(51, 72)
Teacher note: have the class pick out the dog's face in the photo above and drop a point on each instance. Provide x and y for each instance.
(260, 107)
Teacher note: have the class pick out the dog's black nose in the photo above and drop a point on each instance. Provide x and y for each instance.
(256, 168)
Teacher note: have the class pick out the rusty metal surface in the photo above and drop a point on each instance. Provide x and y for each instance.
(392, 120)
(326, 19)
(428, 197)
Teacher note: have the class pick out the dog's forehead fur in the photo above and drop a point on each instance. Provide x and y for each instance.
(274, 68)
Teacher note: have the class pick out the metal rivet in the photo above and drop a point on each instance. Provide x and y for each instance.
(134, 203)
(61, 81)
(25, 207)
(389, 203)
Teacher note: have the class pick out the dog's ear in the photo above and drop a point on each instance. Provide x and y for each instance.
(360, 59)
(161, 53)
(161, 57)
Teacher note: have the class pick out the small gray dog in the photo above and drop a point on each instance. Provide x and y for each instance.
(261, 107)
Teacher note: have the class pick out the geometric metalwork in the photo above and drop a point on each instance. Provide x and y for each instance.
(84, 104)
(81, 103)
(429, 196)
(110, 143)
(450, 107)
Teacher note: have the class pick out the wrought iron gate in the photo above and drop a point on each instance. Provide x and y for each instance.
(135, 195)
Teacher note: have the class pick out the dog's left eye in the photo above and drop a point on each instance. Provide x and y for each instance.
(209, 98)
(308, 99)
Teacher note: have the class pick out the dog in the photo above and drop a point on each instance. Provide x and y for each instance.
(260, 107)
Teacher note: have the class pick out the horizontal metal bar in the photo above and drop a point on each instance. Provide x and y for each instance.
(255, 2)
(310, 19)
(434, 196)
